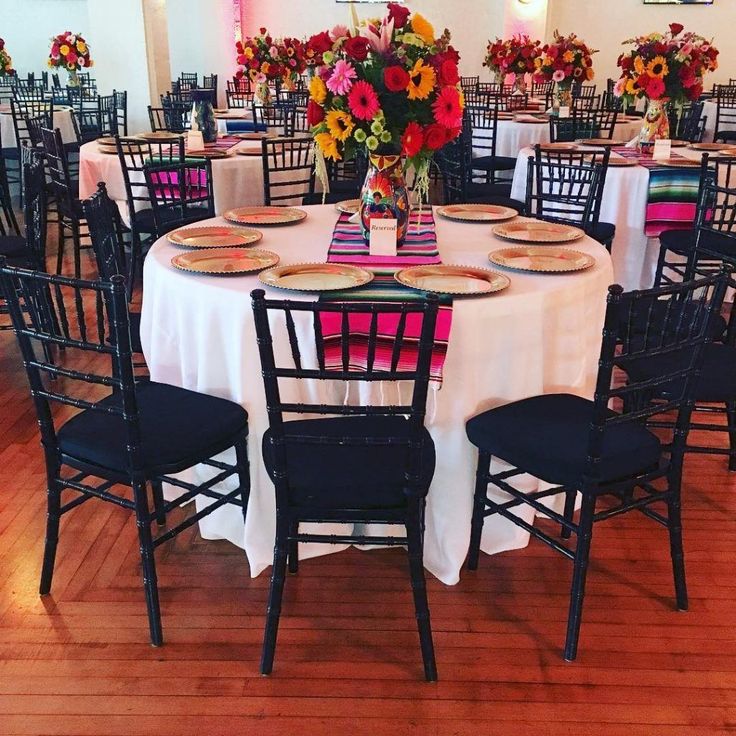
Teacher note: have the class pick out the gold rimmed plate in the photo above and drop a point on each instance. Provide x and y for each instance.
(208, 153)
(456, 280)
(537, 231)
(225, 261)
(601, 142)
(558, 147)
(676, 143)
(249, 149)
(254, 136)
(348, 206)
(541, 259)
(159, 135)
(476, 212)
(265, 215)
(216, 236)
(620, 161)
(708, 146)
(529, 118)
(677, 163)
(316, 277)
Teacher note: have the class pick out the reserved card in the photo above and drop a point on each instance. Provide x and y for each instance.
(564, 111)
(662, 149)
(195, 141)
(383, 237)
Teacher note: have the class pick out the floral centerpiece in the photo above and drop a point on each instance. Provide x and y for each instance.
(265, 59)
(391, 88)
(566, 60)
(664, 68)
(6, 63)
(515, 56)
(70, 51)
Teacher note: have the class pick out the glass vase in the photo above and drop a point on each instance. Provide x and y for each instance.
(263, 93)
(288, 83)
(655, 124)
(562, 96)
(203, 114)
(520, 84)
(73, 80)
(384, 194)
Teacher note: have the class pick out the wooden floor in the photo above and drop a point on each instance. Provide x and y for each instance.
(348, 662)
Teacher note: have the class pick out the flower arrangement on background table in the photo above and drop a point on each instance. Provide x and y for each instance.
(70, 51)
(566, 60)
(515, 56)
(664, 68)
(389, 87)
(6, 63)
(265, 59)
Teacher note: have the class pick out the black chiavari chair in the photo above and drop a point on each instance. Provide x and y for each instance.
(381, 458)
(135, 434)
(603, 449)
(278, 117)
(157, 119)
(542, 90)
(580, 124)
(288, 170)
(686, 123)
(8, 223)
(606, 123)
(469, 84)
(177, 113)
(725, 130)
(484, 132)
(239, 93)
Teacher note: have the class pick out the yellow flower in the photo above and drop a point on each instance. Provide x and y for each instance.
(548, 61)
(589, 73)
(568, 56)
(318, 90)
(265, 67)
(248, 52)
(81, 46)
(340, 124)
(423, 28)
(421, 81)
(632, 88)
(639, 66)
(64, 50)
(538, 62)
(657, 67)
(328, 145)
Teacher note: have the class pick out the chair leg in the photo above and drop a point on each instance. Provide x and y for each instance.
(273, 612)
(661, 258)
(53, 515)
(148, 562)
(158, 501)
(243, 465)
(294, 549)
(60, 246)
(569, 511)
(135, 248)
(580, 569)
(419, 589)
(731, 418)
(674, 526)
(479, 506)
(77, 244)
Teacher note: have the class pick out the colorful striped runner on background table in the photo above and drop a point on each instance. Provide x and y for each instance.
(349, 246)
(673, 193)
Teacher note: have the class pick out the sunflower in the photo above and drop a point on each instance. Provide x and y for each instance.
(328, 145)
(657, 67)
(340, 124)
(632, 87)
(318, 90)
(421, 81)
(639, 66)
(423, 28)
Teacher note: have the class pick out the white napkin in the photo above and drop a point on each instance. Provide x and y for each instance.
(355, 217)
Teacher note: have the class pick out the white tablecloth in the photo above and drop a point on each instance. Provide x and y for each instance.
(62, 120)
(710, 110)
(540, 335)
(624, 204)
(237, 180)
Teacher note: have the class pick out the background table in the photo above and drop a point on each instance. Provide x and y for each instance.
(624, 203)
(540, 335)
(710, 110)
(63, 120)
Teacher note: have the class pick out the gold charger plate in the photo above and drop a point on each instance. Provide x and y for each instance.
(225, 261)
(449, 279)
(216, 236)
(541, 259)
(537, 231)
(678, 163)
(265, 215)
(621, 161)
(349, 206)
(601, 142)
(252, 150)
(676, 143)
(316, 277)
(708, 146)
(214, 153)
(106, 140)
(476, 212)
(558, 147)
(529, 118)
(159, 135)
(254, 136)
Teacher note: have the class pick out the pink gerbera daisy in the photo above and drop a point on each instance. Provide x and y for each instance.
(447, 108)
(363, 101)
(342, 78)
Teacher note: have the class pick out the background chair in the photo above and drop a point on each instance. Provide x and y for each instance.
(288, 170)
(725, 129)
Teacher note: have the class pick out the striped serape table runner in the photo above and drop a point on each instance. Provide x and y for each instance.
(673, 193)
(420, 247)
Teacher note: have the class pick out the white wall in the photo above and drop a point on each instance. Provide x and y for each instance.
(604, 24)
(28, 25)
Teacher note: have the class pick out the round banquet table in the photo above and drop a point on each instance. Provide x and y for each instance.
(513, 136)
(542, 334)
(624, 203)
(237, 180)
(62, 120)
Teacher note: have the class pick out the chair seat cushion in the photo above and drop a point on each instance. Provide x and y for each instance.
(682, 242)
(725, 135)
(349, 476)
(178, 429)
(603, 232)
(500, 194)
(143, 219)
(717, 382)
(494, 163)
(13, 245)
(548, 437)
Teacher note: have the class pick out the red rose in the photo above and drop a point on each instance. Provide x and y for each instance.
(448, 73)
(694, 92)
(396, 78)
(357, 48)
(320, 42)
(676, 28)
(435, 136)
(315, 113)
(399, 13)
(262, 31)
